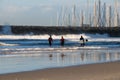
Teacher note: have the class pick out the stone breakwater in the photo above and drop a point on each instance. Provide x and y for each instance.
(59, 30)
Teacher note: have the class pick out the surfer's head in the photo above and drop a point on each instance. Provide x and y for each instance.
(81, 36)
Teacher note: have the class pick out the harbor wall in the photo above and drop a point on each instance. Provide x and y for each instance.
(59, 30)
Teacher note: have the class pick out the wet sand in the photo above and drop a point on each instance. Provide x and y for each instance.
(102, 71)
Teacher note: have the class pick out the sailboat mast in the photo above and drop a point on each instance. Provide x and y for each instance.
(63, 16)
(95, 16)
(69, 24)
(57, 19)
(74, 16)
(99, 14)
(118, 19)
(90, 20)
(110, 12)
(115, 14)
(87, 14)
(82, 18)
(104, 16)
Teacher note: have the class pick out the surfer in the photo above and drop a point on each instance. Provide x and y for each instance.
(82, 42)
(62, 40)
(50, 40)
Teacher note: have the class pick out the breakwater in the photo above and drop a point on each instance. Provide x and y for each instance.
(59, 30)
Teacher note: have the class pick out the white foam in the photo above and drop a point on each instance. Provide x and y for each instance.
(68, 36)
(4, 44)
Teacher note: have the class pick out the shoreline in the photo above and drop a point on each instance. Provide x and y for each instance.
(98, 71)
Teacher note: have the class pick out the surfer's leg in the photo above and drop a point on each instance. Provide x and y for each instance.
(50, 43)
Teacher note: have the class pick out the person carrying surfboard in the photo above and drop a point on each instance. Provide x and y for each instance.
(82, 42)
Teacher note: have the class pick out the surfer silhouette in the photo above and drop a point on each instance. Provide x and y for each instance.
(62, 41)
(82, 42)
(50, 40)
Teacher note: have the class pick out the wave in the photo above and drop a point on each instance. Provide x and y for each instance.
(4, 44)
(26, 52)
(68, 36)
(52, 49)
(10, 44)
(56, 43)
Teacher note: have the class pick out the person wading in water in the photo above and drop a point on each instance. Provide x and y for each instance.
(50, 40)
(62, 41)
(82, 42)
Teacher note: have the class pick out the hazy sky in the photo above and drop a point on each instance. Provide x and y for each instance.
(39, 12)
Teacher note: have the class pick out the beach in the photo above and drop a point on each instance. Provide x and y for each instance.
(101, 71)
(28, 58)
(60, 40)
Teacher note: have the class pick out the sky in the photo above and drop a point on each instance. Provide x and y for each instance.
(40, 12)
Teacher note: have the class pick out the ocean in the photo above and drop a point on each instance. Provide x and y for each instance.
(32, 52)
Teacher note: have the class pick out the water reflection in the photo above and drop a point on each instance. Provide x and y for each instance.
(82, 56)
(26, 62)
(50, 56)
(85, 57)
(62, 56)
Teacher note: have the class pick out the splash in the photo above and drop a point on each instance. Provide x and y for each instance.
(6, 30)
(45, 36)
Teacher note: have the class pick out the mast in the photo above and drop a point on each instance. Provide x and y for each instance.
(57, 19)
(104, 15)
(74, 16)
(115, 14)
(82, 18)
(63, 16)
(118, 18)
(87, 14)
(66, 19)
(110, 13)
(90, 20)
(99, 13)
(118, 21)
(95, 16)
(69, 24)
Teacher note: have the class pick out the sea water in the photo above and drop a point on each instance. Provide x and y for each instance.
(26, 53)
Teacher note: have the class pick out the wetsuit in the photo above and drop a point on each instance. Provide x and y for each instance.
(62, 41)
(50, 41)
(82, 41)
